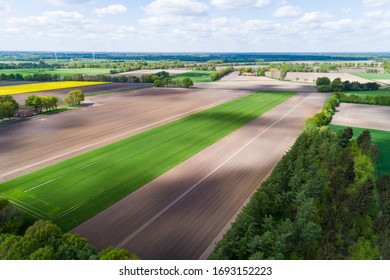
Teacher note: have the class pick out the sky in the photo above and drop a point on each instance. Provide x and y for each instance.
(195, 25)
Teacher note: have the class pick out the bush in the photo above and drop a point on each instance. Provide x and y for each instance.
(74, 97)
(323, 81)
(325, 88)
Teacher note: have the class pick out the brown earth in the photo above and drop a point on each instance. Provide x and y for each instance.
(182, 213)
(253, 83)
(366, 116)
(30, 144)
(15, 83)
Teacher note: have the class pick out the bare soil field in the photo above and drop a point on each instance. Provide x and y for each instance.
(30, 144)
(312, 77)
(366, 116)
(181, 214)
(15, 83)
(95, 89)
(139, 73)
(253, 83)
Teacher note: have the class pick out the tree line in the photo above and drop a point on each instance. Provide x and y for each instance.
(220, 73)
(46, 241)
(368, 99)
(325, 85)
(9, 106)
(169, 82)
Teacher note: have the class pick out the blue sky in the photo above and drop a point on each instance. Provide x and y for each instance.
(195, 25)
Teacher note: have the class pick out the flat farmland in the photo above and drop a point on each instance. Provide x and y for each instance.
(235, 82)
(30, 144)
(195, 76)
(139, 73)
(62, 71)
(312, 77)
(38, 87)
(360, 115)
(382, 92)
(74, 190)
(88, 90)
(13, 83)
(374, 76)
(381, 139)
(181, 214)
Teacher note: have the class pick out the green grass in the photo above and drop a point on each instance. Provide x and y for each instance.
(72, 191)
(61, 72)
(383, 92)
(381, 139)
(373, 76)
(196, 76)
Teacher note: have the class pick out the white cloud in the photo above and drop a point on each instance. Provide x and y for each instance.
(111, 10)
(49, 18)
(373, 14)
(341, 24)
(287, 11)
(375, 3)
(68, 2)
(162, 21)
(313, 17)
(176, 7)
(346, 11)
(4, 8)
(63, 26)
(243, 4)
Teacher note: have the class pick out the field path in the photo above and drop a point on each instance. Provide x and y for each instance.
(182, 213)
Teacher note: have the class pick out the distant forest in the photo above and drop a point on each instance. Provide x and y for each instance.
(195, 57)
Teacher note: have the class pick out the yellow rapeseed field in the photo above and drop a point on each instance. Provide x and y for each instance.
(19, 89)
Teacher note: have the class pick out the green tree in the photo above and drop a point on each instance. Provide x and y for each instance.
(35, 102)
(383, 183)
(323, 81)
(10, 219)
(186, 83)
(7, 110)
(116, 254)
(43, 253)
(74, 97)
(364, 250)
(364, 141)
(42, 231)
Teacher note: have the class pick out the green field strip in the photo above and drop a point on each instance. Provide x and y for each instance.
(383, 92)
(381, 139)
(72, 191)
(373, 76)
(196, 76)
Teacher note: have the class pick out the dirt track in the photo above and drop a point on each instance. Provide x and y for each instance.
(366, 116)
(180, 214)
